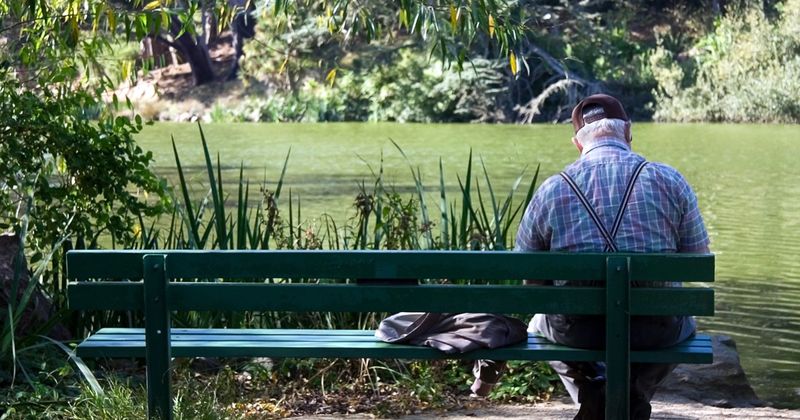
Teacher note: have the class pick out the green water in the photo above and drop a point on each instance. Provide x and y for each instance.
(745, 176)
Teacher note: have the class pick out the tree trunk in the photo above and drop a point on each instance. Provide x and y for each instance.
(243, 26)
(194, 53)
(716, 8)
(14, 283)
(198, 58)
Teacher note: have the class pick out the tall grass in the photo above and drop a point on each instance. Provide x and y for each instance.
(266, 215)
(18, 348)
(477, 219)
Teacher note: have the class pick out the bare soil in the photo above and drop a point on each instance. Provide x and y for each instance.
(665, 407)
(169, 93)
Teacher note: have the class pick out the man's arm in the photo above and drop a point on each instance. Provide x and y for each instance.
(700, 250)
(529, 236)
(692, 234)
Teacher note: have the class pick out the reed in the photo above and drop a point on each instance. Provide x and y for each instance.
(477, 217)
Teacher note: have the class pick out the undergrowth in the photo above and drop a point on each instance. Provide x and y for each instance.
(261, 388)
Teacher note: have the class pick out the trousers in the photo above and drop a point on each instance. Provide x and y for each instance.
(585, 381)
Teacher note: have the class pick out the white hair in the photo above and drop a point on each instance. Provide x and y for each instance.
(607, 127)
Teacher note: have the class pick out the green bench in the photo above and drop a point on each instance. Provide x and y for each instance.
(159, 282)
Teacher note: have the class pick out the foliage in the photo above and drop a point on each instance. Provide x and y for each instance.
(387, 78)
(58, 38)
(565, 51)
(570, 49)
(313, 104)
(746, 70)
(289, 48)
(408, 88)
(61, 176)
(526, 381)
(82, 178)
(414, 89)
(249, 389)
(451, 28)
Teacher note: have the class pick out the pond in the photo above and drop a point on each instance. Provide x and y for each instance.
(746, 178)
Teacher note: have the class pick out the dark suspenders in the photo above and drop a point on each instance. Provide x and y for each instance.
(607, 236)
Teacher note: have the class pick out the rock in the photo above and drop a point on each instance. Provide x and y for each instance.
(720, 384)
(206, 364)
(39, 308)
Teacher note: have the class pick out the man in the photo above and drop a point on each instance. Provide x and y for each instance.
(611, 199)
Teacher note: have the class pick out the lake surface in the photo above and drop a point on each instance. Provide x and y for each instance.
(746, 178)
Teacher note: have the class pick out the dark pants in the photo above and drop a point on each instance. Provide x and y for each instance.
(585, 381)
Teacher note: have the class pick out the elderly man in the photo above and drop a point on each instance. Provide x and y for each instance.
(611, 199)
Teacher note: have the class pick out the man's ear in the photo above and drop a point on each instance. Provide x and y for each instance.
(577, 144)
(628, 135)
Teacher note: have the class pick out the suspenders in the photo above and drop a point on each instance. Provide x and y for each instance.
(607, 236)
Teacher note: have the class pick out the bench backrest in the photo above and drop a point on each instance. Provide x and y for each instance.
(259, 280)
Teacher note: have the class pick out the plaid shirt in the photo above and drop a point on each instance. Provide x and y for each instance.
(662, 214)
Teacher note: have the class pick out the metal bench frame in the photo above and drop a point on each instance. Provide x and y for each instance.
(166, 281)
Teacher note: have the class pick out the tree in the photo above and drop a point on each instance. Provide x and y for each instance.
(62, 174)
(56, 128)
(70, 34)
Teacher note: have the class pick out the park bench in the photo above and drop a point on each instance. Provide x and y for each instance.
(159, 282)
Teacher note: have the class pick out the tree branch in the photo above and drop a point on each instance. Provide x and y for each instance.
(167, 42)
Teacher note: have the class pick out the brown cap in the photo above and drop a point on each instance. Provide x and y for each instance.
(596, 107)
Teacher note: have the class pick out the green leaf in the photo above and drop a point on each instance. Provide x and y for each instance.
(85, 371)
(152, 5)
(111, 17)
(331, 77)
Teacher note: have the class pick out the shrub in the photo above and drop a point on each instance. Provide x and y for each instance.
(747, 70)
(74, 176)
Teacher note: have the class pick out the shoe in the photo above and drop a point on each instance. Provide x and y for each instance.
(480, 388)
(592, 397)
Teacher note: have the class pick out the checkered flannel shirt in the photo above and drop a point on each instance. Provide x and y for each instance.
(662, 215)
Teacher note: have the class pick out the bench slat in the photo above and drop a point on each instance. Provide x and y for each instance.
(389, 264)
(111, 332)
(423, 298)
(129, 342)
(106, 295)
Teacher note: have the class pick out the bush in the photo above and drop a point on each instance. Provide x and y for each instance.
(309, 105)
(747, 70)
(306, 74)
(409, 87)
(414, 88)
(66, 175)
(63, 176)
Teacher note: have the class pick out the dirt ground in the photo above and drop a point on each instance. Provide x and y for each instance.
(664, 408)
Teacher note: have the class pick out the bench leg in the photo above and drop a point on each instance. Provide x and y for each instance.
(618, 367)
(157, 325)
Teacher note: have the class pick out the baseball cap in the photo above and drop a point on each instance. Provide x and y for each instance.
(596, 107)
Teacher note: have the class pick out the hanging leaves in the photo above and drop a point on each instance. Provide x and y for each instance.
(155, 4)
(331, 77)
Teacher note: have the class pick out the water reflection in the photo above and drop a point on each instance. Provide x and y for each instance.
(749, 190)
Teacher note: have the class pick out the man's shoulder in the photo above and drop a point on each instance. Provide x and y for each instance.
(550, 184)
(666, 173)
